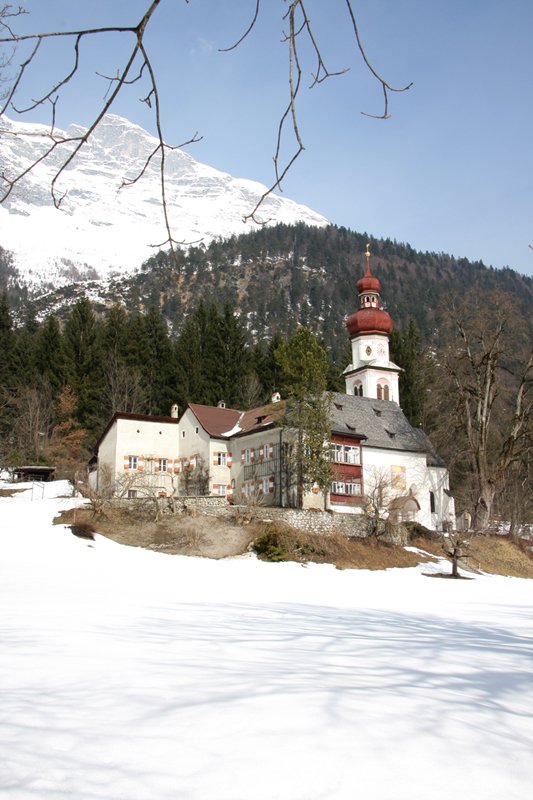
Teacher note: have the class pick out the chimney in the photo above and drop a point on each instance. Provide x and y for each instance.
(174, 411)
(276, 397)
(221, 404)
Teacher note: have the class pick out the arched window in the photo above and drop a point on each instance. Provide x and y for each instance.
(358, 389)
(383, 390)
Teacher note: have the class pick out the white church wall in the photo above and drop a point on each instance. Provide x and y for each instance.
(400, 472)
(444, 514)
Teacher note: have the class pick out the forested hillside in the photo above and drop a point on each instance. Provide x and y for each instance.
(278, 277)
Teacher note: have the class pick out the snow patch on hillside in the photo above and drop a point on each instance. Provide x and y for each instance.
(102, 228)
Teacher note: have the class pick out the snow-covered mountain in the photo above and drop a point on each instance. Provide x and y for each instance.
(100, 229)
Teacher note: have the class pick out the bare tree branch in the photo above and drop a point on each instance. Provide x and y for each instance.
(385, 86)
(297, 27)
(246, 32)
(301, 31)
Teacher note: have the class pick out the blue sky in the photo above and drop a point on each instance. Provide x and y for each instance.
(450, 171)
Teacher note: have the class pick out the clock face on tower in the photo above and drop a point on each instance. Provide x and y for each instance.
(381, 350)
(368, 350)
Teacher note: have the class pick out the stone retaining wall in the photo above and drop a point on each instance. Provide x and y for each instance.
(324, 522)
(207, 505)
(310, 521)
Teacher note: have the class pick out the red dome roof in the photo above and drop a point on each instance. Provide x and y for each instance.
(369, 320)
(368, 283)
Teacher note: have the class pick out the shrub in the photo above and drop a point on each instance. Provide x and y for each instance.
(268, 547)
(84, 530)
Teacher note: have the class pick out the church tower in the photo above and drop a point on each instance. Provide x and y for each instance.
(371, 373)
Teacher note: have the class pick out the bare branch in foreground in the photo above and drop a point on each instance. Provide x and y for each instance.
(138, 66)
(300, 24)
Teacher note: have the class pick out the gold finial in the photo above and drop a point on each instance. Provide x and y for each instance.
(367, 253)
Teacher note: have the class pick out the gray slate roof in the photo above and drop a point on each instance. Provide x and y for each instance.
(382, 422)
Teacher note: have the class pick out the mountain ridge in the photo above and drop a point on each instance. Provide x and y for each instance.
(104, 230)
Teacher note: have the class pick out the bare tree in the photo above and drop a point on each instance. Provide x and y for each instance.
(194, 478)
(7, 14)
(124, 388)
(487, 375)
(379, 491)
(456, 545)
(298, 32)
(32, 407)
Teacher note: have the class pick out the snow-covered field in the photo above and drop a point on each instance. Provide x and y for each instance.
(141, 676)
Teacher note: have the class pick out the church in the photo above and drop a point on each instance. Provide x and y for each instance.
(378, 459)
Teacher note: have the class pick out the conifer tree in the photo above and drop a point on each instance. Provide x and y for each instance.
(7, 343)
(407, 352)
(236, 362)
(83, 364)
(124, 386)
(114, 334)
(304, 364)
(158, 366)
(188, 354)
(266, 365)
(48, 356)
(214, 363)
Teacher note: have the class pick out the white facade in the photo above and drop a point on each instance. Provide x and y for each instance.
(203, 452)
(372, 373)
(138, 456)
(399, 474)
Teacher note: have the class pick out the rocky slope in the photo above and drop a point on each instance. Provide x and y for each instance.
(99, 229)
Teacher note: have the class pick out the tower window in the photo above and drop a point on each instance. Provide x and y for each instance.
(383, 391)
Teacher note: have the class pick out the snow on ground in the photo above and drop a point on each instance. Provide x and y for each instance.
(137, 675)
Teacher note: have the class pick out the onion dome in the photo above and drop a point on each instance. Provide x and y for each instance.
(368, 283)
(369, 318)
